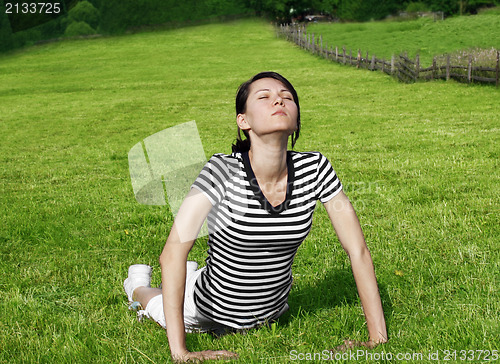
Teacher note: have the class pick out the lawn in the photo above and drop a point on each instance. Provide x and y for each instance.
(418, 161)
(423, 36)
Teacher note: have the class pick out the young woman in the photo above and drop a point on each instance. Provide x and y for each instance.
(258, 203)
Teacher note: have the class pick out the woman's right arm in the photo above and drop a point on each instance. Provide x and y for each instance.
(185, 229)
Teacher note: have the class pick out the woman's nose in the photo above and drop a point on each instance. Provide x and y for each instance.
(279, 101)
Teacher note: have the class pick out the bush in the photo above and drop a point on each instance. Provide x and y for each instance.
(79, 28)
(85, 12)
(416, 7)
(119, 15)
(6, 38)
(364, 10)
(27, 37)
(490, 11)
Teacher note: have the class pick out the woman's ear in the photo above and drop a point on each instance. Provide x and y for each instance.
(242, 122)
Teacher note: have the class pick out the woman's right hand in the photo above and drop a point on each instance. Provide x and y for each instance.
(199, 356)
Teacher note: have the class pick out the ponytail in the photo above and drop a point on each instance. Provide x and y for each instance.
(241, 145)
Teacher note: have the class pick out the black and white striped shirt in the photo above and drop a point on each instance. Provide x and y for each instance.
(251, 243)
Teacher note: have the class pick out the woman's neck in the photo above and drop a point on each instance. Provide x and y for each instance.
(269, 161)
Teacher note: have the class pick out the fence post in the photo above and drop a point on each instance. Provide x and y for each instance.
(417, 67)
(350, 57)
(359, 58)
(392, 64)
(433, 68)
(469, 69)
(448, 68)
(383, 65)
(372, 66)
(366, 59)
(498, 66)
(336, 54)
(320, 44)
(343, 55)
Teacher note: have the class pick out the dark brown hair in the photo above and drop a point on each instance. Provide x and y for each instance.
(243, 145)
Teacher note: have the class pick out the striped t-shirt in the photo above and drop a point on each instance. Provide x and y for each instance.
(251, 243)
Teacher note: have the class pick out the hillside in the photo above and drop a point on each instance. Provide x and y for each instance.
(423, 36)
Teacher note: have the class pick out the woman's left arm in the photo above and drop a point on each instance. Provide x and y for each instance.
(348, 229)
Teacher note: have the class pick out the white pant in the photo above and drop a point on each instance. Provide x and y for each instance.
(194, 321)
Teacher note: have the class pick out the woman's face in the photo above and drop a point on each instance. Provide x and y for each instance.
(270, 108)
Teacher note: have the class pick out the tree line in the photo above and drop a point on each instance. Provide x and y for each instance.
(20, 25)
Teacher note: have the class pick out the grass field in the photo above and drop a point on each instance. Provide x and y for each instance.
(422, 36)
(419, 162)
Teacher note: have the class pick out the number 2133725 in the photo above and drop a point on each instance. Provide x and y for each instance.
(33, 8)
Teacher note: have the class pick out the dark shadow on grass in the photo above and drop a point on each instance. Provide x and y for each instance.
(338, 288)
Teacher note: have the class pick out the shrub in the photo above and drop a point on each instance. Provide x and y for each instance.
(78, 28)
(416, 7)
(490, 11)
(6, 38)
(85, 12)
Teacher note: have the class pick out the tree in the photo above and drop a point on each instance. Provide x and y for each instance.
(471, 6)
(78, 28)
(364, 10)
(6, 38)
(84, 11)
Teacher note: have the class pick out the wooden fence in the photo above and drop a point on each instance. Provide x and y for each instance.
(401, 67)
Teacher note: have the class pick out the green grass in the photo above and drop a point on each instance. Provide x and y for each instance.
(422, 36)
(419, 162)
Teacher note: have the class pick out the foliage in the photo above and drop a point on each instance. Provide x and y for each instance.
(84, 11)
(120, 15)
(459, 7)
(418, 6)
(6, 38)
(77, 28)
(472, 6)
(52, 29)
(490, 11)
(365, 10)
(419, 162)
(34, 18)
